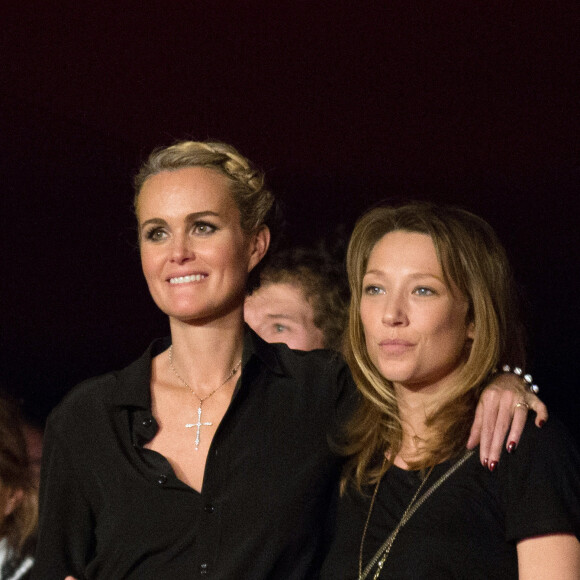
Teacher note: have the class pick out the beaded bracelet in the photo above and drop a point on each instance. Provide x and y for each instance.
(527, 378)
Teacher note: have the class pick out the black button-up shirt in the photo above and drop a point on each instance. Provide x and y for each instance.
(112, 509)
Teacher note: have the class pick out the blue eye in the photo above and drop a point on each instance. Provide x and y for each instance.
(279, 328)
(424, 291)
(373, 290)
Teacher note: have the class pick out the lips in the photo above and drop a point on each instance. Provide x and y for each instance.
(395, 346)
(187, 279)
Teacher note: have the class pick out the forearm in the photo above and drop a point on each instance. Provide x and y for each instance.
(548, 557)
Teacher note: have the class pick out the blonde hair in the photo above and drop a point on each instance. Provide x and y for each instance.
(473, 259)
(247, 183)
(20, 525)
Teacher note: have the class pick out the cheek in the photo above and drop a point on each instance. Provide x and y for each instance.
(149, 273)
(231, 257)
(310, 337)
(302, 338)
(452, 329)
(147, 255)
(365, 315)
(145, 264)
(370, 319)
(370, 342)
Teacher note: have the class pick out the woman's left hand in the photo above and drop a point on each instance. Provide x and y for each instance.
(502, 404)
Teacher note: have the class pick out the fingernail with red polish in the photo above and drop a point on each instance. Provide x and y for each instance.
(492, 465)
(541, 423)
(511, 446)
(485, 462)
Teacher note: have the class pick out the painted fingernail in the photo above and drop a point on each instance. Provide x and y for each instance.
(511, 446)
(541, 423)
(492, 465)
(485, 462)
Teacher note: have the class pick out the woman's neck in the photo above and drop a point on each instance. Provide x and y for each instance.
(203, 352)
(414, 408)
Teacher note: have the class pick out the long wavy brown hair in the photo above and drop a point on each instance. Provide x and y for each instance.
(472, 257)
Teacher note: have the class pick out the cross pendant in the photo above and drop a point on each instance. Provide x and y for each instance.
(199, 425)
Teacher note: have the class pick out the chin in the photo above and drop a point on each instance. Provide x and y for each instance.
(202, 315)
(188, 315)
(184, 313)
(394, 373)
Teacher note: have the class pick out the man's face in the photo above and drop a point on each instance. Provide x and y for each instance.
(279, 312)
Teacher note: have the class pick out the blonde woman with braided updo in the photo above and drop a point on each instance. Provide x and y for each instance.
(210, 455)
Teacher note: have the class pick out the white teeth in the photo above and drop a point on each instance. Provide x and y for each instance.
(186, 279)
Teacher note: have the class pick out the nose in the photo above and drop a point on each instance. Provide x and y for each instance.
(181, 249)
(394, 312)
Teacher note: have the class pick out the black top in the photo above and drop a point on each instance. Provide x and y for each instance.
(470, 525)
(111, 509)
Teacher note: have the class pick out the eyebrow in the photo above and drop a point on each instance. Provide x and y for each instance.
(192, 217)
(281, 316)
(414, 276)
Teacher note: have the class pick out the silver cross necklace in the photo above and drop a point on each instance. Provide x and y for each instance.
(200, 423)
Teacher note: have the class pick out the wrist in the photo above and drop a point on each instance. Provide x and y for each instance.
(526, 378)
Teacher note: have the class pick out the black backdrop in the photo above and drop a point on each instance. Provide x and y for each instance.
(342, 103)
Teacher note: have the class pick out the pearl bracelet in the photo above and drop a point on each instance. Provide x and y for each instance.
(527, 378)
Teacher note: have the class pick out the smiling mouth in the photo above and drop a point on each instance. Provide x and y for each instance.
(187, 279)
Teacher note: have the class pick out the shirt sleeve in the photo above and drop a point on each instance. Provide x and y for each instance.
(348, 396)
(540, 483)
(66, 523)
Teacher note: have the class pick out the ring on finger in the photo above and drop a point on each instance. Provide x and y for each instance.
(522, 403)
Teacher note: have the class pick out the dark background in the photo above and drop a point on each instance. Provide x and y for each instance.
(342, 103)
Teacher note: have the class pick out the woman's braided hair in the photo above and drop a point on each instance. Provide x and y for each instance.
(256, 203)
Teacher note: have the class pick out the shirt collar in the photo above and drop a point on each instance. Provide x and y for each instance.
(134, 380)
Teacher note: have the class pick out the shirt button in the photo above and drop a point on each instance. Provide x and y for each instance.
(147, 422)
(203, 568)
(162, 479)
(209, 508)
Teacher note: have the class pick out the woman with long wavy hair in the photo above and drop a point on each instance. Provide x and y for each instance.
(433, 315)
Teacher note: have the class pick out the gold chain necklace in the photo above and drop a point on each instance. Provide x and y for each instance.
(383, 552)
(200, 423)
